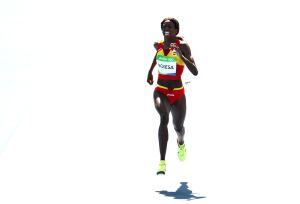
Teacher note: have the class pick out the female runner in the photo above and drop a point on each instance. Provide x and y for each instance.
(172, 54)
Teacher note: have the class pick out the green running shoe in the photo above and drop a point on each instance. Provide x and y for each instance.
(161, 167)
(181, 152)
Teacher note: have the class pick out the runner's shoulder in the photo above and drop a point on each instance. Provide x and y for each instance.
(183, 43)
(157, 44)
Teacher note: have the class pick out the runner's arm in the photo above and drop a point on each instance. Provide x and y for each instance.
(150, 76)
(188, 59)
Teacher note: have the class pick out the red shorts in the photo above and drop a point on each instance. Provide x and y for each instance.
(172, 95)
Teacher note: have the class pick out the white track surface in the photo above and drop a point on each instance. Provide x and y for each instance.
(77, 120)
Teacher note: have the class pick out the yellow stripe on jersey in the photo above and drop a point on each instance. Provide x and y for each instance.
(175, 89)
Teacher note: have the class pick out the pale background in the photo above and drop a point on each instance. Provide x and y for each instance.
(77, 120)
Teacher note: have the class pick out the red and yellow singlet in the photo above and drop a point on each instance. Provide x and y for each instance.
(170, 65)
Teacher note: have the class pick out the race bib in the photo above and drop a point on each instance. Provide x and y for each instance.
(166, 65)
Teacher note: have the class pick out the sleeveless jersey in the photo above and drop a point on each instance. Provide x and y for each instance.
(170, 65)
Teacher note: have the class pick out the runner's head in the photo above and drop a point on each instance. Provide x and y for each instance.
(170, 27)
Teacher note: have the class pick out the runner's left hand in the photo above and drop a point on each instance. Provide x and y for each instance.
(177, 49)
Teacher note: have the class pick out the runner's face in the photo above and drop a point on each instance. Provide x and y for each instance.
(168, 29)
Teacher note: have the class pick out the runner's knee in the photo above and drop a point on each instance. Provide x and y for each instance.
(157, 102)
(164, 119)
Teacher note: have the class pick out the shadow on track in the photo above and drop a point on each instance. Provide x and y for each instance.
(183, 192)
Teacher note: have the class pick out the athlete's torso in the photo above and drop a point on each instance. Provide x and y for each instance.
(170, 66)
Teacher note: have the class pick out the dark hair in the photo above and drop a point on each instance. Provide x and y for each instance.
(176, 24)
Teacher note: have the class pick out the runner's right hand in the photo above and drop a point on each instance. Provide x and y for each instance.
(150, 78)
